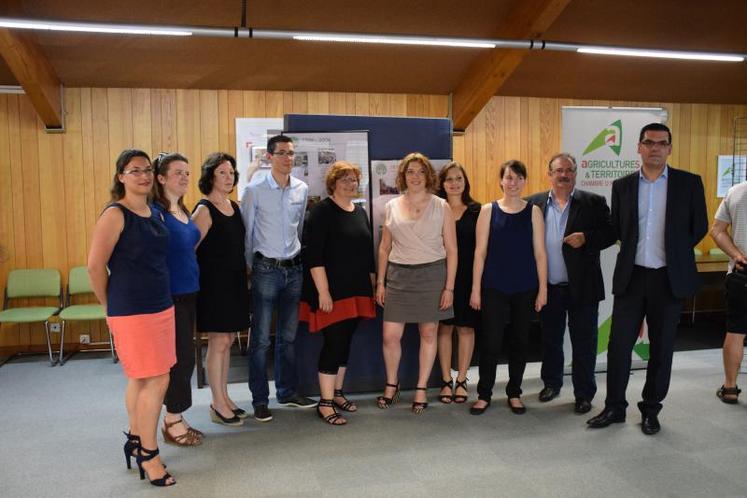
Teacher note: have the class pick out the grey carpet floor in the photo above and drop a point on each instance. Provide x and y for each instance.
(59, 436)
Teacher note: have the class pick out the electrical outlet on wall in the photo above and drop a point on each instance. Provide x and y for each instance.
(85, 339)
(54, 327)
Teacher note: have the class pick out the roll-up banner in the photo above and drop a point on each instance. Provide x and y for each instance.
(604, 141)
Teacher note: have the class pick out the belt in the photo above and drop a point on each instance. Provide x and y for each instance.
(278, 263)
(560, 284)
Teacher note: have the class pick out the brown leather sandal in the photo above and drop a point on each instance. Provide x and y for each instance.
(723, 392)
(189, 438)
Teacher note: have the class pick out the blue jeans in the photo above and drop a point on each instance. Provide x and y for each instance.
(274, 289)
(582, 327)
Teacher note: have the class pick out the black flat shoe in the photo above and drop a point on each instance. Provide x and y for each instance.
(518, 410)
(346, 405)
(333, 418)
(650, 425)
(478, 411)
(606, 418)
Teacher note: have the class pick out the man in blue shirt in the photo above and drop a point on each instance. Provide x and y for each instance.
(273, 209)
(577, 228)
(659, 215)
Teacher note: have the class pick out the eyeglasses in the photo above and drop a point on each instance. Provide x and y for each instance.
(283, 153)
(563, 171)
(137, 172)
(652, 143)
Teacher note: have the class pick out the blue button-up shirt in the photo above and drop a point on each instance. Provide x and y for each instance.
(273, 217)
(652, 211)
(556, 220)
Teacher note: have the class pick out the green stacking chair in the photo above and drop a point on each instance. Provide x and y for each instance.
(80, 284)
(23, 284)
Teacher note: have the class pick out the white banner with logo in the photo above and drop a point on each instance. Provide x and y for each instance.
(604, 141)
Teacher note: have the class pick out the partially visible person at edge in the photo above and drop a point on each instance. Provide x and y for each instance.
(453, 185)
(338, 288)
(223, 300)
(732, 216)
(577, 228)
(172, 173)
(509, 283)
(130, 277)
(417, 267)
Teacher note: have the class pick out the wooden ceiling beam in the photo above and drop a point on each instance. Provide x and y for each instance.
(528, 20)
(35, 74)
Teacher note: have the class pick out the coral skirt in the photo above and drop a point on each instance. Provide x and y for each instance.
(146, 344)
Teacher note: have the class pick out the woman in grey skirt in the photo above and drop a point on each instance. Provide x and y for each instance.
(418, 255)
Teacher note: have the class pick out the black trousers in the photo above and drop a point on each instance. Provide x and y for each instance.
(336, 347)
(179, 394)
(582, 328)
(498, 309)
(648, 295)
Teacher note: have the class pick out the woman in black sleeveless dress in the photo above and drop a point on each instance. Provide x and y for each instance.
(223, 301)
(454, 187)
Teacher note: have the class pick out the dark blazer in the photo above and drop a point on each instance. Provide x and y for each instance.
(686, 223)
(588, 214)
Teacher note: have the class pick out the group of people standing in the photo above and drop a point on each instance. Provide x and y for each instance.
(444, 262)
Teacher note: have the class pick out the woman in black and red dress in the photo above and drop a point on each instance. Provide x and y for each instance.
(338, 254)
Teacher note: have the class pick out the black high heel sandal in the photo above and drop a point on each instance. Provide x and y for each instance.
(419, 407)
(347, 405)
(461, 398)
(144, 455)
(333, 418)
(130, 447)
(384, 402)
(446, 398)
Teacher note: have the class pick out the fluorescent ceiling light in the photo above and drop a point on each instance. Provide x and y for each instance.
(93, 28)
(660, 54)
(396, 40)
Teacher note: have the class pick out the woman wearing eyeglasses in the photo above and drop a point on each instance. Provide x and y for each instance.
(132, 242)
(223, 300)
(172, 182)
(338, 255)
(418, 255)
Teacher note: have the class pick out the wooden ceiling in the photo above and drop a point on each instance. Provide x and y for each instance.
(82, 60)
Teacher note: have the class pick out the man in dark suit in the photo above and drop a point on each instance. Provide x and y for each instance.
(577, 228)
(659, 215)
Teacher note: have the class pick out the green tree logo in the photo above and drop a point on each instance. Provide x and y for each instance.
(610, 136)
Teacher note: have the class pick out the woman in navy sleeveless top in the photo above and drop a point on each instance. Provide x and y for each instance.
(510, 279)
(172, 183)
(131, 239)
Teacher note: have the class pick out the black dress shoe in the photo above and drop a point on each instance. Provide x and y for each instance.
(582, 406)
(607, 417)
(650, 425)
(548, 394)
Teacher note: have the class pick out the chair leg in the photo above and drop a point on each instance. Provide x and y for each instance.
(111, 346)
(61, 361)
(52, 361)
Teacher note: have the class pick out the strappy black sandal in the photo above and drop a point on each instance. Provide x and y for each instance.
(729, 391)
(446, 398)
(419, 407)
(384, 402)
(347, 405)
(461, 398)
(130, 447)
(144, 455)
(333, 418)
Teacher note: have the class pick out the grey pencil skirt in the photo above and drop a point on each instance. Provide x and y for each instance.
(413, 293)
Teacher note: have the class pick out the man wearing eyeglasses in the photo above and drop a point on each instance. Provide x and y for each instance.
(577, 228)
(273, 209)
(659, 215)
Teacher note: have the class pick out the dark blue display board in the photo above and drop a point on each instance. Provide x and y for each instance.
(388, 138)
